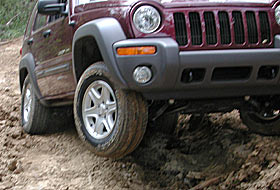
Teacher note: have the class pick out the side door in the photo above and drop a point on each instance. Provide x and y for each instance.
(27, 39)
(52, 41)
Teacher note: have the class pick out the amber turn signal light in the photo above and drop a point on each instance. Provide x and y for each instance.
(142, 50)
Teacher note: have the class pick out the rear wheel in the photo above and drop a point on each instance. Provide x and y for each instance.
(263, 118)
(110, 120)
(39, 119)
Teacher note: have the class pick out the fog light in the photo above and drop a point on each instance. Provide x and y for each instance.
(142, 74)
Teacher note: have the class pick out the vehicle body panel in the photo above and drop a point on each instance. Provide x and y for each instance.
(55, 65)
(177, 3)
(58, 52)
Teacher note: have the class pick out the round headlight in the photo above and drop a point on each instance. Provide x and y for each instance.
(146, 19)
(277, 14)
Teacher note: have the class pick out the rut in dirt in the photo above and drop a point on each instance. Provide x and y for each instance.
(215, 152)
(201, 148)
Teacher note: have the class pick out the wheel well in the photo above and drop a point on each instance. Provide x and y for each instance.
(86, 52)
(22, 75)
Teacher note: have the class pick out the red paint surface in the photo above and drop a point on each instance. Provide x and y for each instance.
(46, 50)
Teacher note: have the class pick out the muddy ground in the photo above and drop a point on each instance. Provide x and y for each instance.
(215, 153)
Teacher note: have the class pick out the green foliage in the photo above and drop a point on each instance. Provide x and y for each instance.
(14, 15)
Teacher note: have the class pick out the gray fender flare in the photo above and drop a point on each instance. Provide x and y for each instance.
(106, 32)
(28, 63)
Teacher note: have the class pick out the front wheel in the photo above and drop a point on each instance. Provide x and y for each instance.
(265, 120)
(110, 120)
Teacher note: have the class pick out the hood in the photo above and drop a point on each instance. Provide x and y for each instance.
(187, 3)
(184, 3)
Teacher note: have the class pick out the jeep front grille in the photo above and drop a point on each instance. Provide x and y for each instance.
(246, 29)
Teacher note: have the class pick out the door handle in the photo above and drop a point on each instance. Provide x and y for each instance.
(47, 33)
(30, 42)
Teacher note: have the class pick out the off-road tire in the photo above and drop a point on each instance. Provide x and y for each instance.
(259, 126)
(131, 119)
(43, 119)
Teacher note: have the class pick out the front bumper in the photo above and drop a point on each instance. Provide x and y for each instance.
(169, 65)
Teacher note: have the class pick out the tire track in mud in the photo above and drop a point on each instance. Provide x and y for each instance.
(201, 149)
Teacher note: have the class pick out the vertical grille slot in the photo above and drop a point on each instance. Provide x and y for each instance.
(224, 27)
(195, 25)
(180, 29)
(252, 27)
(265, 29)
(238, 27)
(210, 27)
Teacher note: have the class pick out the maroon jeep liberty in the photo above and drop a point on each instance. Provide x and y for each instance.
(120, 62)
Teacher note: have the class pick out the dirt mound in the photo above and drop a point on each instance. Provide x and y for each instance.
(210, 152)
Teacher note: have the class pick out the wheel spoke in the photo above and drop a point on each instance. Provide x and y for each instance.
(110, 120)
(93, 125)
(94, 95)
(27, 104)
(29, 101)
(105, 94)
(27, 92)
(27, 98)
(92, 112)
(99, 126)
(107, 126)
(112, 108)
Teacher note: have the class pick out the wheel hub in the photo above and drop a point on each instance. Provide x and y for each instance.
(99, 109)
(27, 104)
(103, 109)
(268, 115)
(264, 109)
